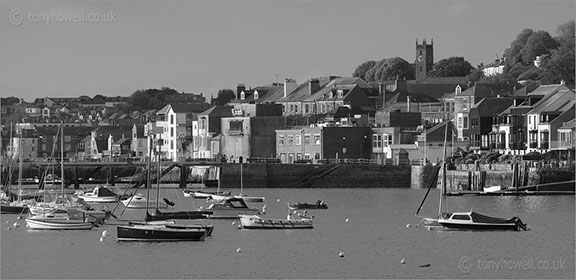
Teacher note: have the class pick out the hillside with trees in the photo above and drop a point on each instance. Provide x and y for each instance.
(556, 53)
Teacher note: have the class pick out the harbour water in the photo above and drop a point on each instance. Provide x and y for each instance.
(374, 229)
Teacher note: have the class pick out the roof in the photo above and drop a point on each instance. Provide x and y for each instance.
(417, 97)
(561, 100)
(492, 105)
(219, 111)
(546, 89)
(569, 125)
(139, 130)
(194, 107)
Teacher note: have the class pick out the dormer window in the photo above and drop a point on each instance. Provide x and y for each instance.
(458, 89)
(340, 93)
(242, 95)
(331, 95)
(255, 94)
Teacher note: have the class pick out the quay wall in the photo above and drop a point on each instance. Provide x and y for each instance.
(266, 175)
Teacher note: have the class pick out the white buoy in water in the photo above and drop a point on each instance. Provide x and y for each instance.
(403, 261)
(102, 239)
(347, 219)
(238, 250)
(408, 225)
(278, 199)
(105, 233)
(341, 254)
(16, 224)
(233, 223)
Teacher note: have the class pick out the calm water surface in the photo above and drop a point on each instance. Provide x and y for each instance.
(374, 241)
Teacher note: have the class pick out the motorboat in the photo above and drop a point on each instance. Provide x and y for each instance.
(204, 195)
(250, 198)
(257, 222)
(230, 208)
(301, 205)
(139, 201)
(100, 194)
(474, 221)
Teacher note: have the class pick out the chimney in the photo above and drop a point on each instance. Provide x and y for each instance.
(408, 104)
(382, 93)
(239, 89)
(400, 85)
(289, 86)
(313, 86)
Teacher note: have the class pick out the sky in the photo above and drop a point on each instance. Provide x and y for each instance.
(71, 48)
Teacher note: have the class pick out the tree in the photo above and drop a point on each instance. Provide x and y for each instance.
(513, 53)
(224, 96)
(389, 69)
(539, 43)
(361, 70)
(7, 101)
(560, 65)
(451, 67)
(150, 98)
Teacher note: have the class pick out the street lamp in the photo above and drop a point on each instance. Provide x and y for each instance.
(344, 146)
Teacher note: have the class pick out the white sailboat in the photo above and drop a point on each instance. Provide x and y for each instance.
(68, 222)
(243, 195)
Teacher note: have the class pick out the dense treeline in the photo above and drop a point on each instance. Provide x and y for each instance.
(557, 54)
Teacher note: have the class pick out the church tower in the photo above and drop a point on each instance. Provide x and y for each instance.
(424, 59)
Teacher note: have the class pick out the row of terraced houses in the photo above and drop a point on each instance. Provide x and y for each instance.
(395, 122)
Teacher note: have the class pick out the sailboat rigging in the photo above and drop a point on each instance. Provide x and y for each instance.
(158, 231)
(73, 218)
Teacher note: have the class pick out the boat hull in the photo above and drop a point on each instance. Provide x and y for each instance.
(157, 233)
(57, 225)
(101, 199)
(231, 213)
(255, 222)
(13, 209)
(479, 227)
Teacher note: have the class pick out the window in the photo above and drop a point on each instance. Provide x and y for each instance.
(242, 94)
(307, 108)
(386, 139)
(290, 139)
(171, 132)
(307, 139)
(317, 139)
(290, 158)
(255, 94)
(202, 123)
(465, 124)
(171, 119)
(280, 139)
(236, 126)
(298, 140)
(460, 123)
(461, 217)
(377, 141)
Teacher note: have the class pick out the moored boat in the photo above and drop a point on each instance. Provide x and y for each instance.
(302, 205)
(230, 208)
(475, 221)
(46, 224)
(159, 232)
(257, 222)
(100, 194)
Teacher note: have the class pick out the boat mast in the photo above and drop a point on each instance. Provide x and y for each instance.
(20, 165)
(241, 181)
(444, 165)
(61, 162)
(148, 166)
(158, 176)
